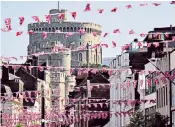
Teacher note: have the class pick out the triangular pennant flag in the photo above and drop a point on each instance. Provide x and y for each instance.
(74, 14)
(21, 20)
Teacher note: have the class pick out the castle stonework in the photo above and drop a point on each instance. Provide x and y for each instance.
(38, 44)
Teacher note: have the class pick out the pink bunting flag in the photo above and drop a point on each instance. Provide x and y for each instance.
(88, 7)
(131, 31)
(81, 31)
(61, 16)
(139, 44)
(114, 9)
(5, 30)
(144, 4)
(128, 6)
(100, 10)
(105, 45)
(30, 32)
(172, 2)
(74, 14)
(114, 44)
(142, 35)
(36, 18)
(19, 33)
(105, 34)
(156, 4)
(48, 18)
(94, 33)
(116, 31)
(44, 35)
(7, 21)
(68, 35)
(21, 20)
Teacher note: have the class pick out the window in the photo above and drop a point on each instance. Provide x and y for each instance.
(94, 59)
(36, 29)
(60, 29)
(87, 30)
(56, 28)
(64, 29)
(157, 99)
(151, 88)
(75, 29)
(90, 30)
(80, 56)
(42, 29)
(46, 29)
(49, 29)
(39, 29)
(68, 29)
(53, 29)
(166, 97)
(71, 29)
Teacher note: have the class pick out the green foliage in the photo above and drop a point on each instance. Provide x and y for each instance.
(156, 120)
(19, 125)
(137, 120)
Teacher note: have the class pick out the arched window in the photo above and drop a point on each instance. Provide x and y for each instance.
(36, 29)
(42, 29)
(46, 29)
(75, 29)
(49, 29)
(80, 43)
(80, 56)
(87, 30)
(39, 29)
(67, 29)
(71, 29)
(60, 29)
(94, 59)
(53, 29)
(56, 28)
(78, 28)
(64, 29)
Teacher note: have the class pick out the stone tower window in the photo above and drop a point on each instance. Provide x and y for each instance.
(68, 29)
(39, 29)
(80, 43)
(87, 30)
(90, 30)
(75, 29)
(36, 29)
(71, 29)
(64, 29)
(46, 29)
(53, 29)
(56, 28)
(78, 28)
(80, 57)
(49, 29)
(60, 29)
(42, 29)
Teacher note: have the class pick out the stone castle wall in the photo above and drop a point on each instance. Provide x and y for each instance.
(38, 43)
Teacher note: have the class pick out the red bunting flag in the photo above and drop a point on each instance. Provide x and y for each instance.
(74, 14)
(144, 4)
(116, 31)
(48, 18)
(172, 2)
(128, 6)
(114, 44)
(7, 21)
(114, 9)
(100, 10)
(88, 7)
(19, 33)
(36, 18)
(131, 31)
(156, 4)
(30, 32)
(105, 34)
(21, 20)
(60, 16)
(44, 35)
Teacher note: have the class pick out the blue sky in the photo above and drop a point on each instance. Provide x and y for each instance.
(140, 19)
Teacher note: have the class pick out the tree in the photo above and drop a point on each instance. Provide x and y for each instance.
(157, 120)
(137, 120)
(19, 125)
